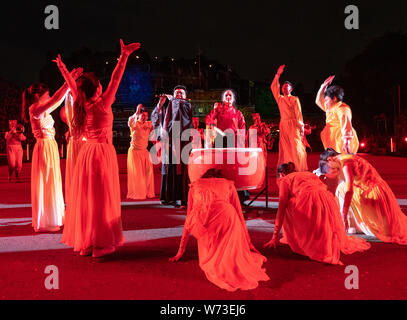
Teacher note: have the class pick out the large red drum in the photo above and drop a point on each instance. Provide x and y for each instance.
(245, 166)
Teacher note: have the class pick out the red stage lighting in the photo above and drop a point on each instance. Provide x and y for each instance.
(405, 139)
(363, 144)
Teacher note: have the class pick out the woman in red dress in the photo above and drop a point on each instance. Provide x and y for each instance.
(93, 223)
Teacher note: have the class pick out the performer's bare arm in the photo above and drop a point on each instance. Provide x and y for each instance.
(345, 118)
(348, 174)
(70, 78)
(38, 109)
(282, 207)
(275, 85)
(126, 50)
(320, 100)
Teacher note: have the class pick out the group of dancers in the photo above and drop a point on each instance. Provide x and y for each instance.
(313, 220)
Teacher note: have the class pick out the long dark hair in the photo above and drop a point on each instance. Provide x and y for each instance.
(213, 173)
(30, 96)
(86, 86)
(286, 168)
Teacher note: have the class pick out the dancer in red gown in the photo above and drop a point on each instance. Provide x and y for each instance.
(229, 119)
(215, 218)
(310, 218)
(93, 224)
(14, 149)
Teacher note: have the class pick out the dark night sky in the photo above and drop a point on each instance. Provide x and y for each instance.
(254, 37)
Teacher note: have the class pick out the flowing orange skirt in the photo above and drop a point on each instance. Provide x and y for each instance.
(290, 146)
(46, 186)
(224, 252)
(140, 174)
(376, 212)
(74, 146)
(94, 217)
(313, 227)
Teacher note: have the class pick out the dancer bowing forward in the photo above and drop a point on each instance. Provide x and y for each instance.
(290, 147)
(215, 218)
(140, 175)
(93, 224)
(46, 183)
(366, 199)
(310, 218)
(338, 133)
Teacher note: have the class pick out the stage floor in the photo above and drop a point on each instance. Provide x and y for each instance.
(140, 269)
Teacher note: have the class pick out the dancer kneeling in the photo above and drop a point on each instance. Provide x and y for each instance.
(215, 218)
(366, 196)
(311, 219)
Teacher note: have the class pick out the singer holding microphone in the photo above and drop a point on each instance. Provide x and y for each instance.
(170, 118)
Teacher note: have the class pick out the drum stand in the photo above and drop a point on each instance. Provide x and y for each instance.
(264, 190)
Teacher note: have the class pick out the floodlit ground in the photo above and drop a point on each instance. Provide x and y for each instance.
(140, 269)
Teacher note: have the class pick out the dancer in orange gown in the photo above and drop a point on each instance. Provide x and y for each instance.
(310, 217)
(140, 175)
(290, 147)
(93, 224)
(365, 197)
(75, 141)
(46, 184)
(338, 133)
(14, 148)
(215, 218)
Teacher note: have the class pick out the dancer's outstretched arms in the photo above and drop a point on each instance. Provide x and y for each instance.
(70, 78)
(320, 100)
(348, 173)
(37, 109)
(275, 85)
(126, 50)
(282, 207)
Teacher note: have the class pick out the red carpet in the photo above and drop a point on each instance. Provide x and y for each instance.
(140, 269)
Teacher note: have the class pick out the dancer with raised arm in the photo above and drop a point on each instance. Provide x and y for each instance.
(310, 218)
(46, 184)
(290, 147)
(140, 175)
(365, 197)
(14, 149)
(215, 218)
(338, 133)
(93, 224)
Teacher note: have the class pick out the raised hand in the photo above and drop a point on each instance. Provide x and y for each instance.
(59, 62)
(76, 73)
(281, 69)
(328, 81)
(130, 48)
